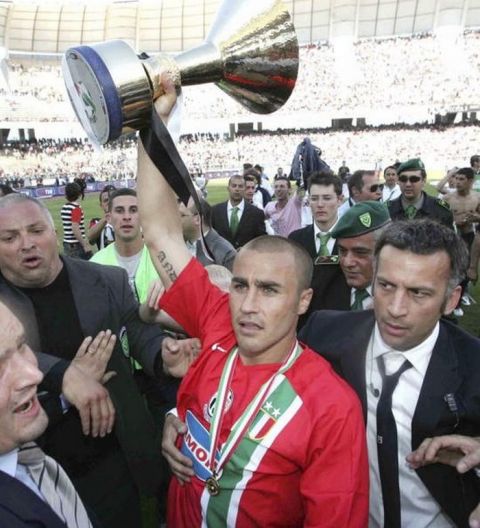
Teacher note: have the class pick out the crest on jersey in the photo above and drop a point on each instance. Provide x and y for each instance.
(266, 418)
(209, 409)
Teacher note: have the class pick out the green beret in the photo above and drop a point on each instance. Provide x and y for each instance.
(361, 218)
(411, 164)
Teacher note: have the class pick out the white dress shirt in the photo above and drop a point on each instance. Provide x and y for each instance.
(350, 202)
(391, 194)
(240, 206)
(418, 507)
(9, 465)
(258, 200)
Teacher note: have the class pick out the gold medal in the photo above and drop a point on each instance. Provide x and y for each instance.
(213, 487)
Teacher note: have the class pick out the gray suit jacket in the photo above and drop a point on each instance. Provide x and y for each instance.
(223, 252)
(104, 300)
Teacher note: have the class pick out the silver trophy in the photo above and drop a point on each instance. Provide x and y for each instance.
(251, 53)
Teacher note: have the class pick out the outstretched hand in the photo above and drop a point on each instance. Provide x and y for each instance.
(94, 354)
(149, 310)
(178, 355)
(83, 384)
(462, 452)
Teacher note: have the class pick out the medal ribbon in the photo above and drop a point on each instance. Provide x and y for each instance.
(243, 423)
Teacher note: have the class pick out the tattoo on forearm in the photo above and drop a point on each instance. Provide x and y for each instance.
(167, 266)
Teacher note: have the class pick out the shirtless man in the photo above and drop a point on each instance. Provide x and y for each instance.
(465, 205)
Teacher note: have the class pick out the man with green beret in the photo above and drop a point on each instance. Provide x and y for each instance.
(356, 233)
(414, 202)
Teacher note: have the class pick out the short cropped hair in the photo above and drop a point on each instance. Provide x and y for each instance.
(107, 189)
(253, 174)
(276, 244)
(283, 178)
(72, 191)
(119, 192)
(18, 198)
(235, 177)
(426, 237)
(6, 189)
(474, 159)
(325, 178)
(467, 172)
(356, 179)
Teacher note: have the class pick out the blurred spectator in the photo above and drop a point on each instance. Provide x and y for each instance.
(74, 242)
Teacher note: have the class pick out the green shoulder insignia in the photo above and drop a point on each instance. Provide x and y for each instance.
(443, 203)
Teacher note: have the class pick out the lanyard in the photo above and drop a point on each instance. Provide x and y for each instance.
(243, 423)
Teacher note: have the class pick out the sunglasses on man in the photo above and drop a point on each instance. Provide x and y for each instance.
(376, 187)
(411, 179)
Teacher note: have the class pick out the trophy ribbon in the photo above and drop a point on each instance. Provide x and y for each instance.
(161, 149)
(240, 427)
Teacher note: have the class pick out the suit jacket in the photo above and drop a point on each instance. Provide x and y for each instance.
(454, 368)
(104, 300)
(251, 225)
(222, 250)
(330, 289)
(20, 507)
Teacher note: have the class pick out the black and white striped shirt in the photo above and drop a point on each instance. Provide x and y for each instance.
(71, 211)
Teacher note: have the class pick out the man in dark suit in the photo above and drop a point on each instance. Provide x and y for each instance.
(237, 220)
(330, 291)
(414, 202)
(417, 375)
(24, 500)
(356, 233)
(68, 300)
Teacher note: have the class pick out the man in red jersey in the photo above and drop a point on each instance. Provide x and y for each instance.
(273, 436)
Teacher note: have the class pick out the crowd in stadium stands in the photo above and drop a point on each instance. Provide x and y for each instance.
(48, 159)
(394, 74)
(232, 438)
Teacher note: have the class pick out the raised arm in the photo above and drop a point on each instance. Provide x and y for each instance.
(158, 207)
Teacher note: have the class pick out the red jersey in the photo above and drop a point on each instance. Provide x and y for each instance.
(302, 461)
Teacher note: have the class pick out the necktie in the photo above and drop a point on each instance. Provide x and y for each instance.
(324, 238)
(54, 485)
(360, 296)
(234, 221)
(387, 446)
(410, 212)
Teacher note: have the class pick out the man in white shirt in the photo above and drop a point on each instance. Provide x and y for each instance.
(24, 498)
(355, 234)
(391, 189)
(416, 374)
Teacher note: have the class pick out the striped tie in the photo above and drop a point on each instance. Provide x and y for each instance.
(54, 485)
